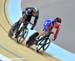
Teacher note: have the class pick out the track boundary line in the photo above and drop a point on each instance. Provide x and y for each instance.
(7, 32)
(3, 28)
(5, 17)
(5, 13)
(10, 51)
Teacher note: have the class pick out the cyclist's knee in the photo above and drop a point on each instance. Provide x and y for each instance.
(25, 25)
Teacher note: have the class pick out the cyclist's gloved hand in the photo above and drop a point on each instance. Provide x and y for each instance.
(32, 28)
(53, 39)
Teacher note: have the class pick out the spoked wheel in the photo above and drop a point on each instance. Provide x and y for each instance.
(12, 30)
(43, 45)
(23, 34)
(10, 34)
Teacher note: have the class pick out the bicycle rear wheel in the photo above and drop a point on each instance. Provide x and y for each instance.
(31, 39)
(12, 30)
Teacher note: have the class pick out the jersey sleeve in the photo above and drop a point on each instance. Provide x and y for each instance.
(57, 31)
(35, 21)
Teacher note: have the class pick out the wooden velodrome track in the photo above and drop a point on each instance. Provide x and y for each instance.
(9, 47)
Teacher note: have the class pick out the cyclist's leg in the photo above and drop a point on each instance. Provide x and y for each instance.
(17, 26)
(17, 32)
(45, 31)
(25, 23)
(42, 33)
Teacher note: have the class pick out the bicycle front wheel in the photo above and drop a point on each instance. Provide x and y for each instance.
(43, 45)
(21, 37)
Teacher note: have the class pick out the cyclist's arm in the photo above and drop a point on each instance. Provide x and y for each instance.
(35, 21)
(57, 31)
(50, 28)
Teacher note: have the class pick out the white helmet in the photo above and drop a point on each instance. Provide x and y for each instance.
(36, 10)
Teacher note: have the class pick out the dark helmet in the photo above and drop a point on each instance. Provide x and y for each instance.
(23, 13)
(58, 19)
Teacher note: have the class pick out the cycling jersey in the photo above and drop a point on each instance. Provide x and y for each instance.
(49, 25)
(28, 15)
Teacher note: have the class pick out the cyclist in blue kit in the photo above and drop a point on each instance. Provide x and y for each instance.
(49, 25)
(47, 30)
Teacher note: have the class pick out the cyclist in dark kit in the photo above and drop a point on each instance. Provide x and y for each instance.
(27, 15)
